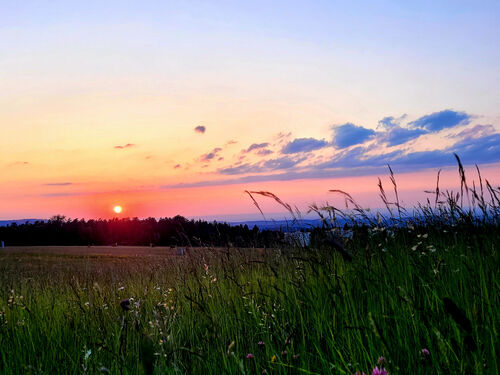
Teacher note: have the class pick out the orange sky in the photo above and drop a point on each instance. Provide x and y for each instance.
(224, 202)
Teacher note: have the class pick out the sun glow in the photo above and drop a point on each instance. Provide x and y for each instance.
(117, 209)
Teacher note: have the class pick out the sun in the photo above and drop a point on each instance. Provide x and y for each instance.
(117, 209)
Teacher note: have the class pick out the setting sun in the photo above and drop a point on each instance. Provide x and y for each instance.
(117, 209)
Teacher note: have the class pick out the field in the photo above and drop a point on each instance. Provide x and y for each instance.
(426, 299)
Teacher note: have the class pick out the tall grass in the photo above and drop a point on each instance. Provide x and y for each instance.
(422, 281)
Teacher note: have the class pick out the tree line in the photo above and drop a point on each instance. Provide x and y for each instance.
(175, 231)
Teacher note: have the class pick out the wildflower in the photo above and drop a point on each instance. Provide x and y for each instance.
(287, 342)
(296, 356)
(273, 358)
(379, 371)
(261, 343)
(425, 352)
(284, 353)
(359, 373)
(125, 304)
(381, 360)
(263, 372)
(250, 356)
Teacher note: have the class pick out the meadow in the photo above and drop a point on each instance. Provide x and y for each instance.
(421, 296)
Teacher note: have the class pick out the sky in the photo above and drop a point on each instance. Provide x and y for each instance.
(170, 108)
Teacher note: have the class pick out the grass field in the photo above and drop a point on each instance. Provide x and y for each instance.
(252, 311)
(399, 296)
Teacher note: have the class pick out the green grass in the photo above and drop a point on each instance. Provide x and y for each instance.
(203, 313)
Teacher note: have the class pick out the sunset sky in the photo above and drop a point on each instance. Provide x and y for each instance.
(170, 108)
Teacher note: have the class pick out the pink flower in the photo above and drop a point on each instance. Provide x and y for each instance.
(379, 371)
(250, 356)
(260, 343)
(381, 360)
(359, 373)
(425, 352)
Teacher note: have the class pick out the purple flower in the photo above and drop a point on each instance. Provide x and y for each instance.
(284, 353)
(359, 373)
(381, 360)
(379, 371)
(250, 356)
(425, 352)
(261, 343)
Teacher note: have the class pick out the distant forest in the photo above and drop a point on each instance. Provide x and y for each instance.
(176, 231)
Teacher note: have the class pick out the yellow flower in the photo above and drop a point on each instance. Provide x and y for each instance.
(273, 358)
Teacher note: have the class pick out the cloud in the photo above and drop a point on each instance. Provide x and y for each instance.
(441, 120)
(56, 195)
(21, 163)
(200, 129)
(128, 145)
(388, 122)
(303, 145)
(264, 152)
(477, 131)
(357, 162)
(285, 176)
(349, 135)
(240, 169)
(282, 163)
(355, 156)
(256, 146)
(398, 135)
(262, 166)
(394, 134)
(480, 150)
(212, 154)
(58, 184)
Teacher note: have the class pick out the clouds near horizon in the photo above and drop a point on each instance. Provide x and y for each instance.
(128, 145)
(210, 155)
(349, 135)
(359, 150)
(256, 146)
(58, 184)
(304, 145)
